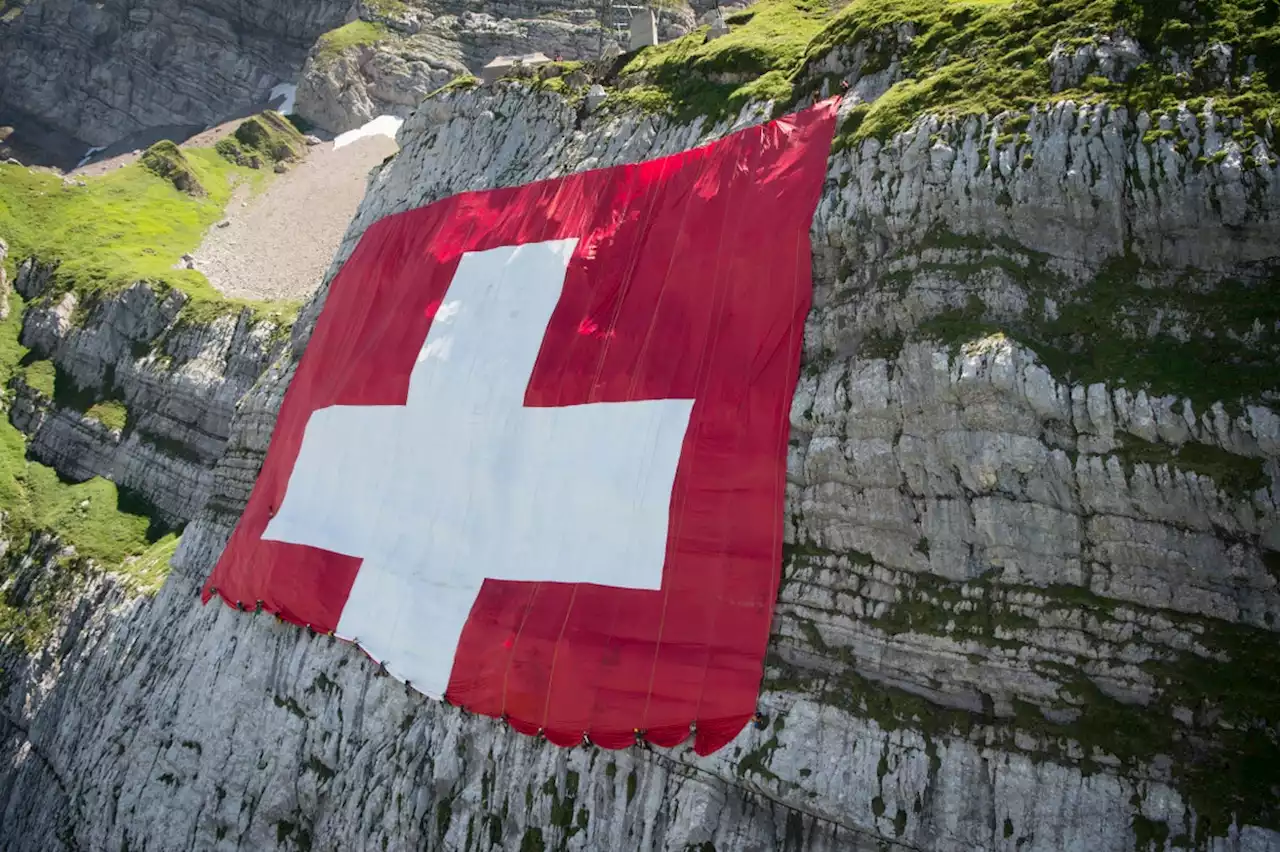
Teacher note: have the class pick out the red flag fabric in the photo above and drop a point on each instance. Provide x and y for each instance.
(533, 457)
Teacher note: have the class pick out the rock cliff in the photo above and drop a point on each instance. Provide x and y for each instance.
(100, 71)
(175, 382)
(1032, 586)
(394, 55)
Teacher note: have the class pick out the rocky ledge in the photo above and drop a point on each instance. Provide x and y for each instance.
(143, 394)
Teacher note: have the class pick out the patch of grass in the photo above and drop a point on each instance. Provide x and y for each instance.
(564, 78)
(129, 225)
(532, 841)
(966, 57)
(1224, 763)
(110, 413)
(165, 159)
(40, 377)
(273, 136)
(1100, 335)
(462, 81)
(1238, 476)
(122, 227)
(758, 60)
(97, 519)
(86, 515)
(263, 140)
(959, 325)
(12, 352)
(989, 57)
(1225, 349)
(333, 44)
(147, 572)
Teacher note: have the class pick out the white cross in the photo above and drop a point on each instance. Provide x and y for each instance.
(464, 483)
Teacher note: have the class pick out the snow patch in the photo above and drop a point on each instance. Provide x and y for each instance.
(88, 155)
(383, 125)
(289, 92)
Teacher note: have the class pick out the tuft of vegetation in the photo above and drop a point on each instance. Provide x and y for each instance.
(146, 572)
(1238, 476)
(1223, 762)
(263, 140)
(965, 57)
(129, 225)
(1225, 349)
(93, 517)
(568, 79)
(165, 159)
(988, 56)
(760, 59)
(110, 413)
(462, 81)
(40, 376)
(273, 135)
(333, 44)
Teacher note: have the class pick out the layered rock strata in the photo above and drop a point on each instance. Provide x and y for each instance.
(101, 71)
(179, 380)
(1030, 594)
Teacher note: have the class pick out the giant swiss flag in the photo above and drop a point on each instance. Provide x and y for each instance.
(533, 457)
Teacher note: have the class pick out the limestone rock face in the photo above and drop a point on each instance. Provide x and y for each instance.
(1028, 598)
(1113, 58)
(179, 382)
(102, 71)
(425, 45)
(99, 71)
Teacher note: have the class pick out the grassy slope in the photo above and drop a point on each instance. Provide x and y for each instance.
(126, 226)
(967, 56)
(690, 76)
(35, 499)
(355, 34)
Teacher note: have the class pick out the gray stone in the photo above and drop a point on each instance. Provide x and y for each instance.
(445, 40)
(718, 27)
(644, 29)
(102, 71)
(179, 382)
(596, 95)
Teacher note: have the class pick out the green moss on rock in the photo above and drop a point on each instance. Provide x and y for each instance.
(110, 413)
(758, 60)
(40, 377)
(165, 160)
(146, 572)
(263, 140)
(988, 56)
(460, 83)
(102, 523)
(130, 225)
(333, 44)
(962, 57)
(1223, 762)
(1217, 343)
(1239, 476)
